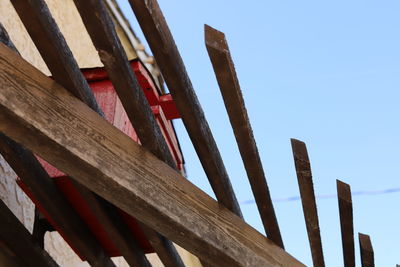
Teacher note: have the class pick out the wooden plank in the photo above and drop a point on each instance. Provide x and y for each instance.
(54, 50)
(167, 56)
(51, 44)
(304, 178)
(31, 172)
(225, 73)
(105, 39)
(346, 222)
(102, 32)
(366, 251)
(37, 112)
(17, 239)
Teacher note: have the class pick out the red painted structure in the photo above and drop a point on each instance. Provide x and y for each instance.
(164, 110)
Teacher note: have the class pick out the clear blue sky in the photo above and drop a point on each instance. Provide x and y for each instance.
(325, 72)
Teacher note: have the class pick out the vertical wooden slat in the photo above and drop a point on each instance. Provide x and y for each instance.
(167, 56)
(31, 172)
(102, 32)
(16, 238)
(346, 222)
(54, 50)
(304, 178)
(133, 179)
(366, 251)
(225, 73)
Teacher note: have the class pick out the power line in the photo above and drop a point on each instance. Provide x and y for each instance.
(327, 196)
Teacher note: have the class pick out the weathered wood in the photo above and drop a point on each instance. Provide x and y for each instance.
(16, 238)
(37, 112)
(53, 48)
(366, 251)
(304, 178)
(167, 56)
(31, 172)
(225, 73)
(51, 44)
(102, 32)
(105, 39)
(346, 222)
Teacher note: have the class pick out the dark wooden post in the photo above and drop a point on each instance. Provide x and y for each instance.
(346, 223)
(304, 178)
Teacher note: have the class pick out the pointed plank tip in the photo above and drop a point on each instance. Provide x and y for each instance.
(214, 38)
(365, 242)
(299, 149)
(343, 190)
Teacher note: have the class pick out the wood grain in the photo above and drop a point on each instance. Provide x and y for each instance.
(102, 32)
(225, 73)
(54, 50)
(37, 112)
(304, 178)
(33, 175)
(346, 222)
(168, 59)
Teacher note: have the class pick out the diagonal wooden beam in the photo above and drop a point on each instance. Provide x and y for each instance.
(18, 243)
(102, 32)
(31, 172)
(167, 56)
(225, 73)
(366, 251)
(304, 178)
(346, 222)
(37, 112)
(54, 50)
